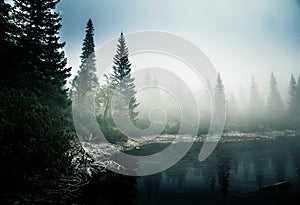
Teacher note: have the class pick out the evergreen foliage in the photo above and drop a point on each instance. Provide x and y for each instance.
(86, 79)
(123, 82)
(44, 64)
(34, 110)
(219, 96)
(293, 111)
(85, 85)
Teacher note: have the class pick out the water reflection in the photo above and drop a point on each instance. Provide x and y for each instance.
(223, 167)
(152, 184)
(233, 174)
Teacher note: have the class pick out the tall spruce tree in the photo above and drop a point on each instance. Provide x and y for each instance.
(294, 108)
(292, 90)
(86, 79)
(297, 101)
(219, 96)
(85, 85)
(44, 64)
(123, 81)
(274, 102)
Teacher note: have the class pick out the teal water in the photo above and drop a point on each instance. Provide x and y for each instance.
(233, 174)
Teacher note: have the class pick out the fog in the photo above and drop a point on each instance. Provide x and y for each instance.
(243, 39)
(101, 101)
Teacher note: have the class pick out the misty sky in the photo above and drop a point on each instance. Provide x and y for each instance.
(242, 38)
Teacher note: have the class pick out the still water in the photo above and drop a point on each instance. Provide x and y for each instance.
(233, 174)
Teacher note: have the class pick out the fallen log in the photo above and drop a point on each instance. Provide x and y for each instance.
(283, 185)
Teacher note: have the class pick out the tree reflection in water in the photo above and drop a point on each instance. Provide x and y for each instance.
(232, 174)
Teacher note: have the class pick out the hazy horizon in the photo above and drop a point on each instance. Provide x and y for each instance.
(242, 39)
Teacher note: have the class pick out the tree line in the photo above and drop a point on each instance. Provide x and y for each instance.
(259, 114)
(35, 104)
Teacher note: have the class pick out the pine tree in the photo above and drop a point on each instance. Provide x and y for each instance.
(292, 90)
(34, 132)
(219, 97)
(123, 81)
(44, 65)
(293, 111)
(85, 85)
(86, 79)
(274, 102)
(297, 101)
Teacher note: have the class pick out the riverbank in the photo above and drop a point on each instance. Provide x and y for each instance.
(102, 151)
(97, 161)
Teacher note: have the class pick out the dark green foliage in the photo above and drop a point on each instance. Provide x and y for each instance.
(10, 52)
(34, 106)
(117, 96)
(123, 82)
(84, 88)
(31, 138)
(86, 79)
(111, 133)
(43, 64)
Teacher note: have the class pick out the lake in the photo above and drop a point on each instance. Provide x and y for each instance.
(233, 174)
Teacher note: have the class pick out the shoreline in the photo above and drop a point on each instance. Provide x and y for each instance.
(103, 151)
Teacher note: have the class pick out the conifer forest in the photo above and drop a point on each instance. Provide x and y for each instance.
(149, 102)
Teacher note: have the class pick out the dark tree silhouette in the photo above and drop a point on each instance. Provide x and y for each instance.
(123, 81)
(44, 65)
(34, 102)
(10, 52)
(84, 89)
(86, 79)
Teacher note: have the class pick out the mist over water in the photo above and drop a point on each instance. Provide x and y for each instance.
(150, 102)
